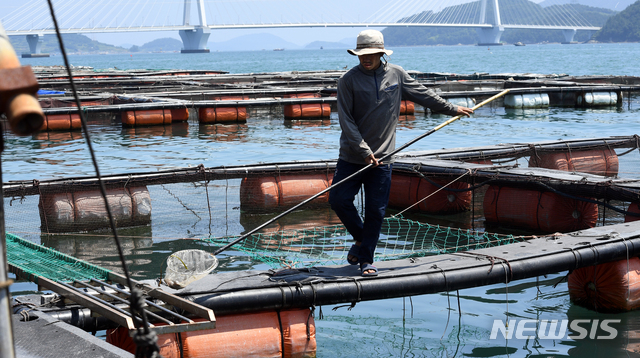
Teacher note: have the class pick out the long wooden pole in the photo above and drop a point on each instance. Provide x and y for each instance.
(367, 167)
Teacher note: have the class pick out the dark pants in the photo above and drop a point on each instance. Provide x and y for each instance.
(377, 183)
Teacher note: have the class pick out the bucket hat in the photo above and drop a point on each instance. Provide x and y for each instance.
(369, 42)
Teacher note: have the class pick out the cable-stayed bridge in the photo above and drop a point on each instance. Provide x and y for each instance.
(195, 19)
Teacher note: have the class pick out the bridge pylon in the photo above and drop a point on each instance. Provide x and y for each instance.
(568, 35)
(490, 36)
(195, 41)
(35, 46)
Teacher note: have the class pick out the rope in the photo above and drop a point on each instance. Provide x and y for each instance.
(492, 260)
(145, 339)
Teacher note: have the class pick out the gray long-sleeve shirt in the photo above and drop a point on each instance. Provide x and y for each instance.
(369, 107)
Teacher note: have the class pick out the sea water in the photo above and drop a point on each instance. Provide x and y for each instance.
(453, 324)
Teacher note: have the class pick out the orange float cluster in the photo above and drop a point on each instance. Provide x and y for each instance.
(407, 107)
(635, 209)
(407, 190)
(609, 287)
(61, 122)
(179, 115)
(223, 114)
(289, 333)
(258, 193)
(306, 111)
(85, 210)
(598, 162)
(536, 210)
(151, 117)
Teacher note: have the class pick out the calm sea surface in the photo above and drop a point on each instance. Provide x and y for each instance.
(429, 325)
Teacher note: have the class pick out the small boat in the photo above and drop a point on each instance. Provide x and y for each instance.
(278, 49)
(518, 43)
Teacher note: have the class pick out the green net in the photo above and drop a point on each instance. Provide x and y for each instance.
(35, 261)
(328, 245)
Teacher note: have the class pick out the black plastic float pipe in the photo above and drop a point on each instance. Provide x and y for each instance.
(367, 167)
(391, 286)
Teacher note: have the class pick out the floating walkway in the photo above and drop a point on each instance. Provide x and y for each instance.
(564, 186)
(252, 291)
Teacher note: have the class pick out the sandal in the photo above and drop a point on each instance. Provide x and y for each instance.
(368, 267)
(353, 254)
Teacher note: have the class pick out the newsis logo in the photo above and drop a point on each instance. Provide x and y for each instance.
(555, 329)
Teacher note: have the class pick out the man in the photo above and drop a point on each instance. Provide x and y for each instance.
(369, 97)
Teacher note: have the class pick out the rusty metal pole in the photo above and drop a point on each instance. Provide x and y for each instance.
(7, 348)
(18, 90)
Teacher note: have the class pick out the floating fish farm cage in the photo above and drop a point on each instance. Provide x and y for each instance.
(547, 205)
(514, 189)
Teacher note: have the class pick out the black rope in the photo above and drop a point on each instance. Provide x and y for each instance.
(180, 345)
(281, 332)
(146, 340)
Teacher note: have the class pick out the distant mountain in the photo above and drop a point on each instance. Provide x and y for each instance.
(72, 43)
(515, 11)
(327, 45)
(623, 27)
(617, 5)
(253, 42)
(162, 44)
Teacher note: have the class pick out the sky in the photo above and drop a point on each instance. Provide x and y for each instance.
(289, 9)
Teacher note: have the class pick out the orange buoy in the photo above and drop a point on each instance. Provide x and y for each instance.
(315, 110)
(299, 333)
(406, 190)
(608, 287)
(633, 208)
(85, 210)
(152, 117)
(231, 114)
(61, 122)
(596, 161)
(288, 333)
(207, 115)
(407, 107)
(258, 193)
(532, 209)
(179, 114)
(224, 114)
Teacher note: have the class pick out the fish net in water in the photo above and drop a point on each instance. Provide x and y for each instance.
(328, 245)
